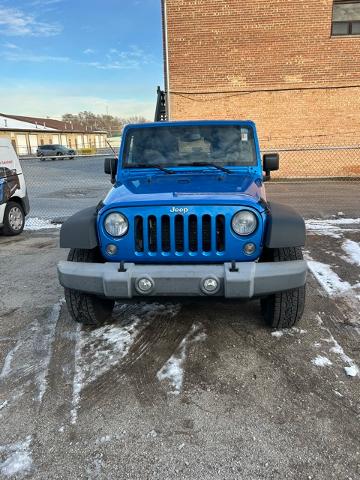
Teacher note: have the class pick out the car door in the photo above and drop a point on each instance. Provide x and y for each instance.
(12, 181)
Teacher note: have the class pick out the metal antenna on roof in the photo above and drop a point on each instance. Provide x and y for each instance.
(106, 140)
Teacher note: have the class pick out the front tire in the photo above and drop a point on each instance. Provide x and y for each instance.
(83, 307)
(283, 309)
(14, 219)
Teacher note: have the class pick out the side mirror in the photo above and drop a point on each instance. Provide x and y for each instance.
(270, 164)
(110, 167)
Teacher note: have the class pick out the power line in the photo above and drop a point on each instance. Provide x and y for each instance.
(230, 93)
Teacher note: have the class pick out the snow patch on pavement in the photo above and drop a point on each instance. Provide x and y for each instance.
(44, 347)
(173, 370)
(96, 352)
(321, 361)
(105, 439)
(35, 223)
(328, 279)
(99, 350)
(335, 287)
(352, 371)
(352, 250)
(28, 361)
(288, 331)
(337, 393)
(78, 377)
(106, 346)
(94, 469)
(17, 458)
(6, 370)
(3, 404)
(350, 367)
(331, 227)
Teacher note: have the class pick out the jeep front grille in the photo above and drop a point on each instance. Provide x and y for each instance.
(179, 233)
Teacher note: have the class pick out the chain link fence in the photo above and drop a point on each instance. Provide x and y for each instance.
(59, 188)
(318, 163)
(86, 150)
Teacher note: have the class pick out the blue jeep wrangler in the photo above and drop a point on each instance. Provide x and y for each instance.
(187, 217)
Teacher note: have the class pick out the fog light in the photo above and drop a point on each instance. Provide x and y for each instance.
(249, 248)
(144, 285)
(111, 249)
(210, 285)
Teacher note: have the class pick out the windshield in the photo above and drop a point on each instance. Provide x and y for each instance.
(226, 145)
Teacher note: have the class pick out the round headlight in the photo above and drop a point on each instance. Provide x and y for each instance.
(116, 224)
(244, 222)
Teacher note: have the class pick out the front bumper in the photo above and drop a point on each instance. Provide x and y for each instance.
(251, 279)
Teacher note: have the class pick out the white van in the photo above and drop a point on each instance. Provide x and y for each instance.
(14, 202)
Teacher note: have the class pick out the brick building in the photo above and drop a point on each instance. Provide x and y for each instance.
(291, 66)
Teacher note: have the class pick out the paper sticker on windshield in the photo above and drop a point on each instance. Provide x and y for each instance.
(244, 135)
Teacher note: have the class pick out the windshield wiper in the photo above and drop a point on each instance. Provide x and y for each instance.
(146, 165)
(209, 164)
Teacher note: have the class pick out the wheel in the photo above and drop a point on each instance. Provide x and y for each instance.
(283, 309)
(83, 307)
(14, 219)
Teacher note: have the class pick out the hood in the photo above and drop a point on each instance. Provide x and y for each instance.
(187, 189)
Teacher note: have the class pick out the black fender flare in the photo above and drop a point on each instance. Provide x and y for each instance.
(23, 201)
(79, 231)
(285, 227)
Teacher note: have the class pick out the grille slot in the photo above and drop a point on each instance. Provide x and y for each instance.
(206, 233)
(179, 233)
(165, 233)
(152, 237)
(193, 233)
(139, 234)
(220, 233)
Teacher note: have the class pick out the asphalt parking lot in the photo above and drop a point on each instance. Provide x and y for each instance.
(187, 391)
(59, 188)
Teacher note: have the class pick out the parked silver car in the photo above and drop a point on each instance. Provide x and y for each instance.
(55, 151)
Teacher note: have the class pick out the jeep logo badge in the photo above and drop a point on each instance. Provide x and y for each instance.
(178, 210)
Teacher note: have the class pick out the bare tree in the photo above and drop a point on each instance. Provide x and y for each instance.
(92, 122)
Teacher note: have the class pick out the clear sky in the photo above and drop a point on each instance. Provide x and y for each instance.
(65, 56)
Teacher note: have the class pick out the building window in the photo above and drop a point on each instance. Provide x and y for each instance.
(346, 17)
